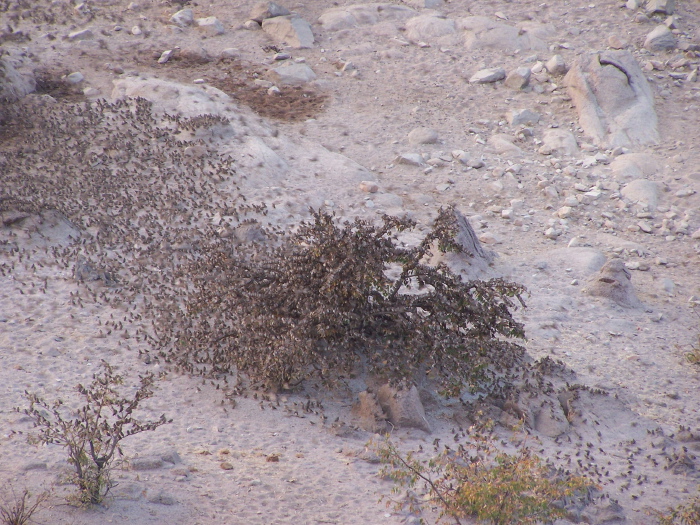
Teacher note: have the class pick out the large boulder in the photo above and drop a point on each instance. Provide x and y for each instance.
(614, 101)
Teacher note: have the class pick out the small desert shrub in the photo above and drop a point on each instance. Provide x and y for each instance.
(319, 301)
(479, 482)
(21, 508)
(93, 433)
(684, 514)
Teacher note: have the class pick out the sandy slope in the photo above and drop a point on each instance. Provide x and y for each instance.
(54, 330)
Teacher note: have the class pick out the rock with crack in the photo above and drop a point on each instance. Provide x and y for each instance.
(614, 101)
(613, 282)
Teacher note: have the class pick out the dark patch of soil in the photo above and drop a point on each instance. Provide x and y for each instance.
(235, 78)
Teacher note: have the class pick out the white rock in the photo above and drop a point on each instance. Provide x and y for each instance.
(558, 142)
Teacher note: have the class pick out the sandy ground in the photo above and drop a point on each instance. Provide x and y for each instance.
(338, 130)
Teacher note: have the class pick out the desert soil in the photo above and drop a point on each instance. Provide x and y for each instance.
(300, 456)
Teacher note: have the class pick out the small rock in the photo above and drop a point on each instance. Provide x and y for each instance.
(75, 78)
(369, 186)
(423, 136)
(486, 76)
(251, 25)
(660, 39)
(85, 34)
(183, 18)
(230, 52)
(225, 465)
(519, 78)
(685, 192)
(165, 56)
(556, 65)
(412, 159)
(552, 233)
(264, 10)
(136, 31)
(210, 26)
(616, 42)
(519, 117)
(564, 212)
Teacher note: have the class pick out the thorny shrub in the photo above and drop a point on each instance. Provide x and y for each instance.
(320, 302)
(20, 510)
(94, 432)
(477, 481)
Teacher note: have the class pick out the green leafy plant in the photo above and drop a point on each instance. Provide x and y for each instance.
(93, 433)
(320, 301)
(21, 508)
(482, 483)
(684, 514)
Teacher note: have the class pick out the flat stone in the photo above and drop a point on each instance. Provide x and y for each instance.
(84, 34)
(486, 76)
(146, 463)
(411, 159)
(423, 136)
(292, 74)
